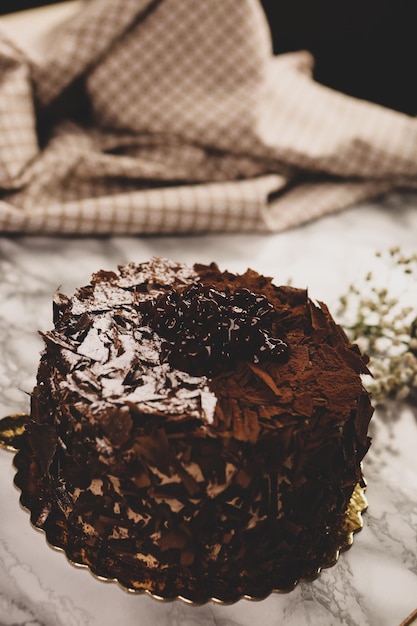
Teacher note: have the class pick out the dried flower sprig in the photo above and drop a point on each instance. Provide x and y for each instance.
(382, 320)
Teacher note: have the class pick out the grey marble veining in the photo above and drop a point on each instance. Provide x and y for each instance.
(373, 584)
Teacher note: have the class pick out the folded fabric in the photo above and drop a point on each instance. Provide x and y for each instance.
(169, 116)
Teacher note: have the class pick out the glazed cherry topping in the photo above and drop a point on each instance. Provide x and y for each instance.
(206, 329)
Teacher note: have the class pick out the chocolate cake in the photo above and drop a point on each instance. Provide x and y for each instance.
(196, 424)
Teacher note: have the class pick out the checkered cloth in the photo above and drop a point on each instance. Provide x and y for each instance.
(170, 116)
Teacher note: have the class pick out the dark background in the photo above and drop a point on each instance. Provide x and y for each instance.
(9, 6)
(366, 48)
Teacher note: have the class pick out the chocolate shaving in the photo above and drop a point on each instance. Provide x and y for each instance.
(263, 375)
(117, 425)
(43, 439)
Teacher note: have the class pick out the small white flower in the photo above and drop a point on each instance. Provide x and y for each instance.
(402, 393)
(381, 321)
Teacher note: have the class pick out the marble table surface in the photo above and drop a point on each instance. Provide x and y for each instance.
(373, 584)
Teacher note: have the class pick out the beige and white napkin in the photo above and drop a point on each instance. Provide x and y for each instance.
(173, 116)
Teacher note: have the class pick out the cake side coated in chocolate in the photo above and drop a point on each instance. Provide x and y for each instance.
(240, 471)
